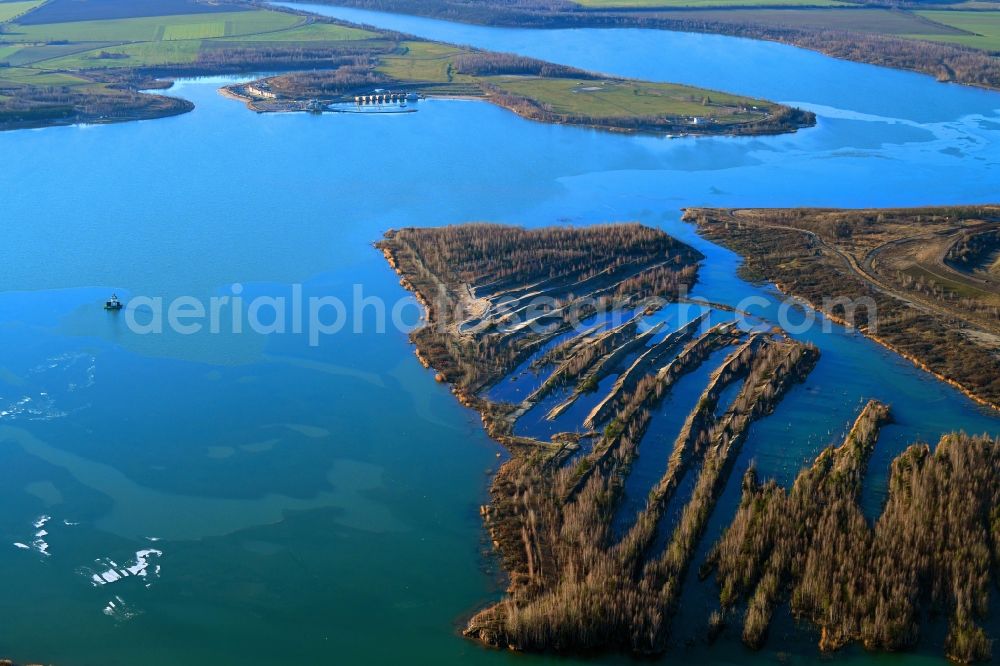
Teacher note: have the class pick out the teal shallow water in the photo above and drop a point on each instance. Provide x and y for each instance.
(320, 503)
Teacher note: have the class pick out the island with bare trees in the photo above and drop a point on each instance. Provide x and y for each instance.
(574, 313)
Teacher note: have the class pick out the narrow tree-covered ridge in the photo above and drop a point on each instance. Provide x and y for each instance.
(933, 550)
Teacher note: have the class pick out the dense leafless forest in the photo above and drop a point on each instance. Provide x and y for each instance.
(498, 255)
(579, 269)
(354, 74)
(26, 106)
(931, 551)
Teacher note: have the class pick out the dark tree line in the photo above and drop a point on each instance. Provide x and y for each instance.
(353, 74)
(972, 250)
(479, 63)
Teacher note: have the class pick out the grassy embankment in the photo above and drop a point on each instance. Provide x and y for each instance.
(58, 66)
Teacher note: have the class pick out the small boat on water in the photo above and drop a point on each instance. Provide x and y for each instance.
(113, 303)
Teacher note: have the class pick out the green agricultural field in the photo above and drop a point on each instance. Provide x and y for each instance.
(23, 75)
(11, 10)
(31, 54)
(669, 4)
(976, 4)
(204, 30)
(146, 54)
(156, 28)
(620, 99)
(8, 51)
(314, 32)
(983, 26)
(162, 40)
(423, 61)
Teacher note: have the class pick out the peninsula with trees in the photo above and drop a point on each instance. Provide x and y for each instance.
(94, 61)
(921, 281)
(573, 315)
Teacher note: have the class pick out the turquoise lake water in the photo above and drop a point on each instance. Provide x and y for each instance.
(320, 504)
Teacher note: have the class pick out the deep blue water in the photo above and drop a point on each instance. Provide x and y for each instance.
(321, 503)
